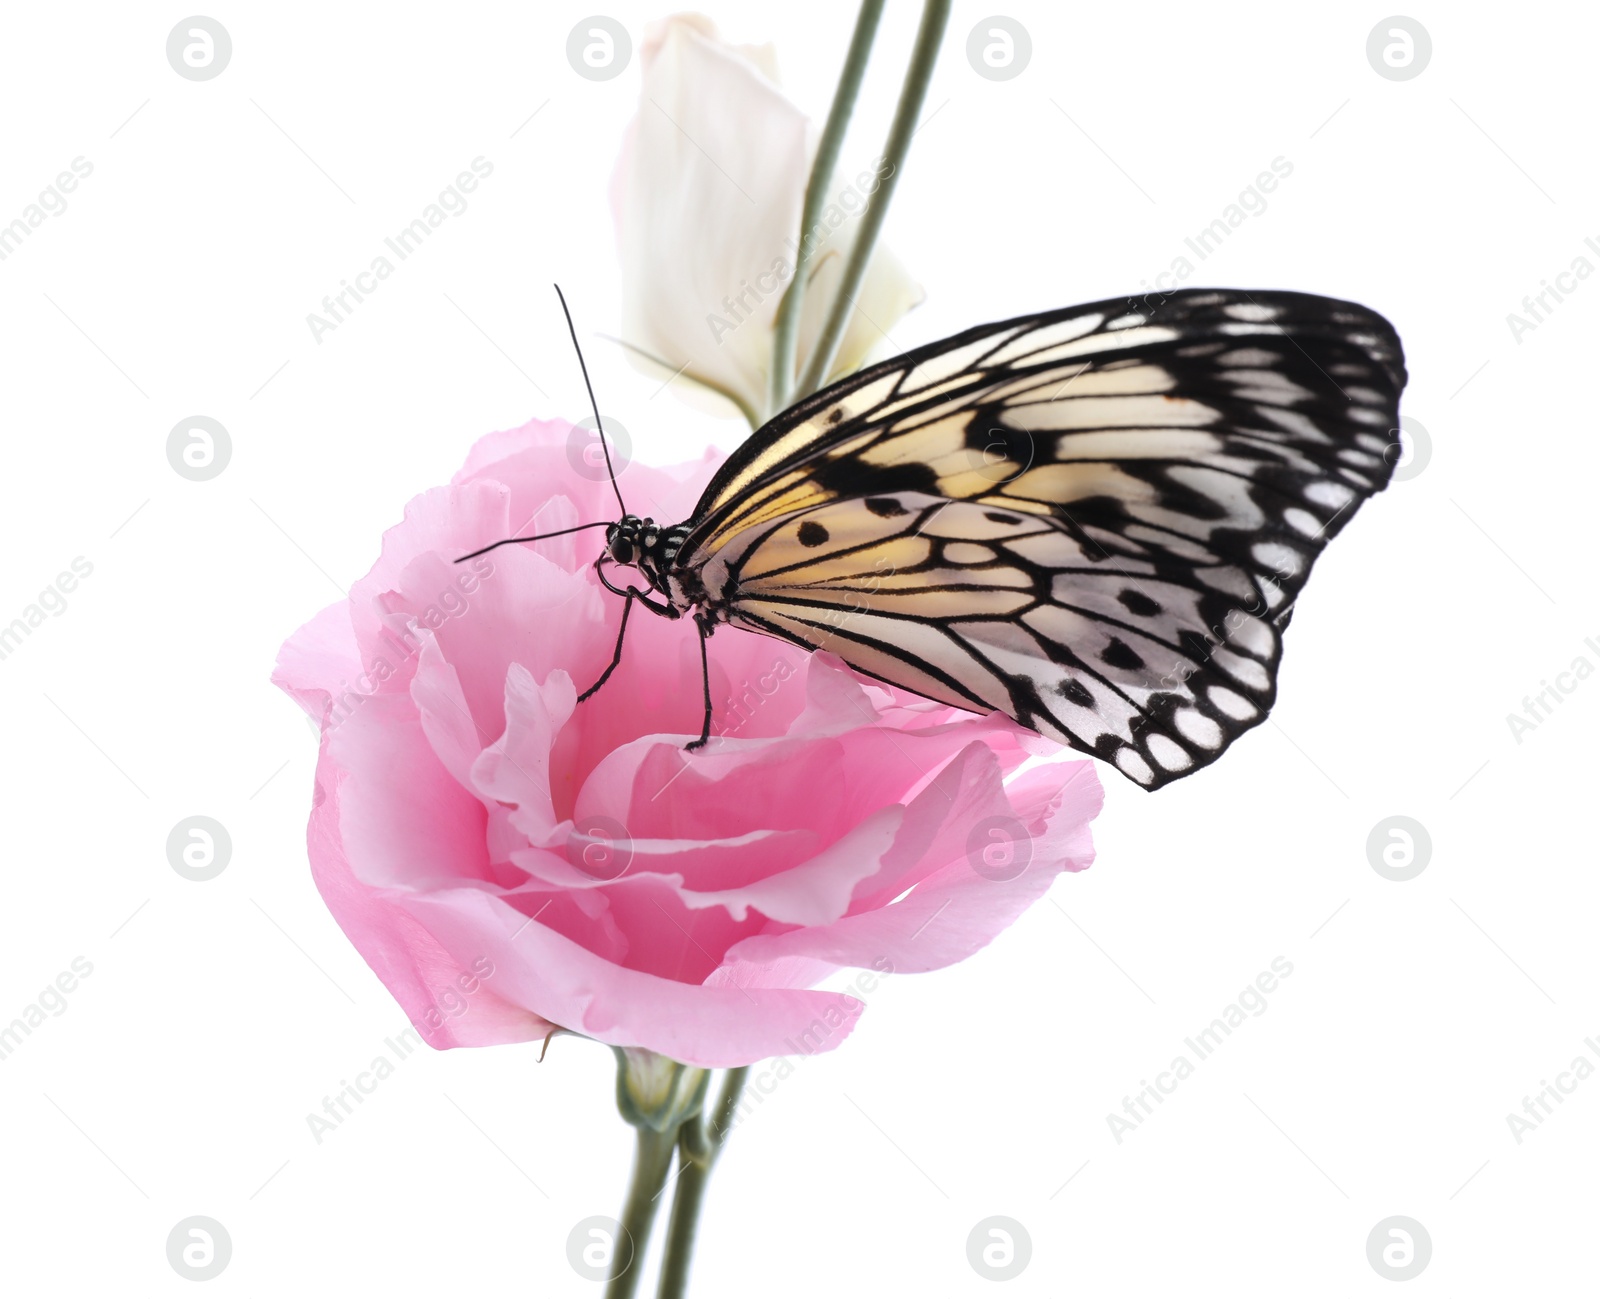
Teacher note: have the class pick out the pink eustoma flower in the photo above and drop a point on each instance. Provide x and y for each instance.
(508, 860)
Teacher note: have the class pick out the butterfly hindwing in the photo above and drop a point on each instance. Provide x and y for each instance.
(1095, 520)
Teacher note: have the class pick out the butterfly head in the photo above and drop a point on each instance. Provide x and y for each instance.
(627, 539)
(640, 543)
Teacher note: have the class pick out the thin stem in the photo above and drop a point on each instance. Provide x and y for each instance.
(686, 1202)
(727, 1102)
(698, 1147)
(935, 14)
(786, 327)
(652, 1158)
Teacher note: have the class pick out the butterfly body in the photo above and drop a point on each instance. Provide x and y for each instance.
(1096, 520)
(641, 543)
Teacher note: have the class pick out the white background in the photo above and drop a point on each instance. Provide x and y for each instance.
(219, 1014)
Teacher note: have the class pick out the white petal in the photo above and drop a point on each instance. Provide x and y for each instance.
(707, 196)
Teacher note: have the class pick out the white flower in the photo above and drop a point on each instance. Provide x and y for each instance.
(707, 196)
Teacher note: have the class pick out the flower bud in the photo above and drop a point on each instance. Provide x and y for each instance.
(655, 1092)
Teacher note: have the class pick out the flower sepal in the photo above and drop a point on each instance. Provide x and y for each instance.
(656, 1092)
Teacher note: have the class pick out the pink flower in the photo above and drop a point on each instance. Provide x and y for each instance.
(507, 860)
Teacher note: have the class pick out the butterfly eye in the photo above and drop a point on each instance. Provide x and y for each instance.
(622, 549)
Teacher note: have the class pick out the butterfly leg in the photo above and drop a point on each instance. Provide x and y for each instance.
(705, 681)
(616, 657)
(629, 595)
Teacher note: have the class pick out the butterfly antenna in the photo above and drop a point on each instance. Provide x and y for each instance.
(599, 427)
(539, 536)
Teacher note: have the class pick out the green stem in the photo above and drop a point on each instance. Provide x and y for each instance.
(651, 1161)
(686, 1201)
(698, 1147)
(935, 14)
(786, 328)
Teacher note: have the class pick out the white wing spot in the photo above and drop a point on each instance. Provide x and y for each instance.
(1234, 705)
(1353, 457)
(1251, 635)
(1278, 557)
(1137, 336)
(1134, 766)
(1196, 726)
(1169, 753)
(1246, 671)
(1249, 311)
(1334, 495)
(1296, 422)
(1302, 521)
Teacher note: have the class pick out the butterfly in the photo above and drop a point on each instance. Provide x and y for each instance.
(1096, 520)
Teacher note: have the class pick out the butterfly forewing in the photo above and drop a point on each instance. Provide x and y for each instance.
(1094, 520)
